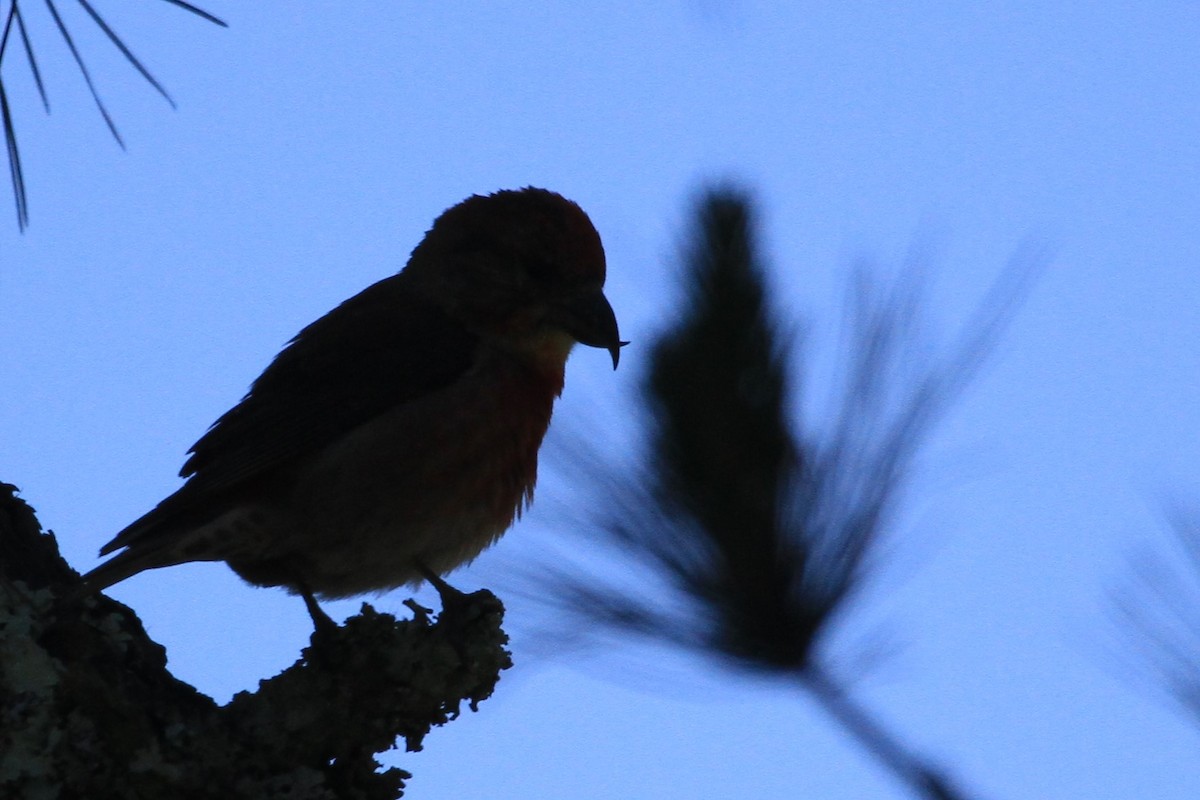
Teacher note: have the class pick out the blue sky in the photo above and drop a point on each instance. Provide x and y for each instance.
(311, 151)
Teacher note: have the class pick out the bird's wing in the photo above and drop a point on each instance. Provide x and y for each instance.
(383, 347)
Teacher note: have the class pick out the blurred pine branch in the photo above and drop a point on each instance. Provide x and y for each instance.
(761, 530)
(1158, 613)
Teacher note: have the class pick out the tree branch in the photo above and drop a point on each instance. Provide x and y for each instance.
(88, 709)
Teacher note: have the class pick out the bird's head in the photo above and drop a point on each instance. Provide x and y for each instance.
(524, 267)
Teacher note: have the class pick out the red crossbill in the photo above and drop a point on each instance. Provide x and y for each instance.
(396, 437)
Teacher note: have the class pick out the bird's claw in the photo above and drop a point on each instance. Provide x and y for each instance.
(322, 622)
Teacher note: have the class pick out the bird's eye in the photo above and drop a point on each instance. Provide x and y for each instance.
(540, 271)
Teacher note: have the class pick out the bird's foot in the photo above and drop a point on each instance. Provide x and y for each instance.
(459, 608)
(322, 622)
(451, 597)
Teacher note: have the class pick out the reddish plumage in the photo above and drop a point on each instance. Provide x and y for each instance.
(399, 433)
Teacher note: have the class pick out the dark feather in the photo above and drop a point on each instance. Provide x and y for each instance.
(381, 348)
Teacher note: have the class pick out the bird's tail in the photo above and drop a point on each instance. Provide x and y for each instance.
(124, 565)
(151, 543)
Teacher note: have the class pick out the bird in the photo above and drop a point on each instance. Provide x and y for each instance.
(395, 438)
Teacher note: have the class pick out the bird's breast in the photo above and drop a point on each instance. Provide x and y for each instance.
(433, 481)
